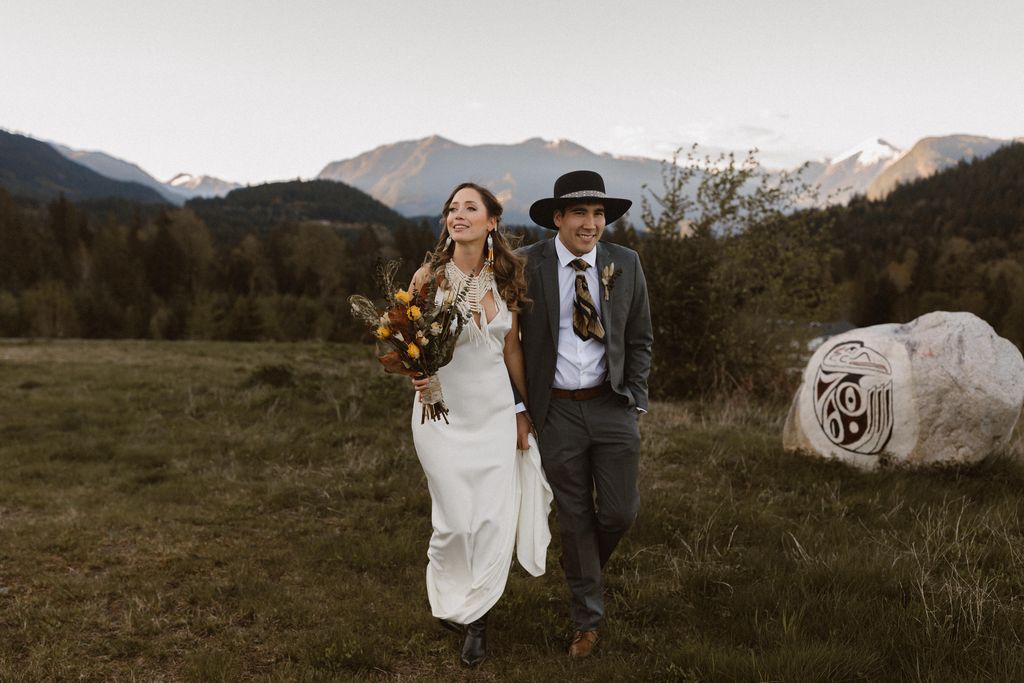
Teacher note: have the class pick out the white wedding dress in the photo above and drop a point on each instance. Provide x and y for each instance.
(488, 498)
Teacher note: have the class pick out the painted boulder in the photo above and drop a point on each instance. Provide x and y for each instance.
(941, 389)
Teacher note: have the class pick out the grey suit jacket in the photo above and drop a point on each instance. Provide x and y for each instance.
(626, 317)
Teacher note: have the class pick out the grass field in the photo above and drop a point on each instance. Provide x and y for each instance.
(255, 512)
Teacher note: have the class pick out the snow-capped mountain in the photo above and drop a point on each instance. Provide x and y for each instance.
(869, 153)
(177, 190)
(119, 169)
(413, 177)
(191, 186)
(851, 172)
(875, 167)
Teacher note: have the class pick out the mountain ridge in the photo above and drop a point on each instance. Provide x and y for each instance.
(126, 171)
(118, 169)
(851, 172)
(32, 168)
(414, 176)
(930, 155)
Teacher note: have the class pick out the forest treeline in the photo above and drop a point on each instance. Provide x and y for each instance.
(118, 270)
(261, 208)
(954, 241)
(739, 279)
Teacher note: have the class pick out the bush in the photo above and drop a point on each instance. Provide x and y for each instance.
(734, 277)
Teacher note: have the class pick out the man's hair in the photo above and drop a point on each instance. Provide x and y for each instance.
(581, 202)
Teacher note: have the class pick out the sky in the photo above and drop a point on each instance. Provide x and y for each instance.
(254, 90)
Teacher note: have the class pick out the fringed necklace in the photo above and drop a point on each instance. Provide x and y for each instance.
(475, 286)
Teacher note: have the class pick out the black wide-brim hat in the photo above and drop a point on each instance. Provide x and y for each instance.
(574, 188)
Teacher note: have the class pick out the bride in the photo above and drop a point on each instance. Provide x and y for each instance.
(488, 491)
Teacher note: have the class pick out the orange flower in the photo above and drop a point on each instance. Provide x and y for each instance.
(413, 351)
(383, 332)
(413, 313)
(403, 297)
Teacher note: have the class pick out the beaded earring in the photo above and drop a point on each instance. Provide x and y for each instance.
(447, 243)
(490, 250)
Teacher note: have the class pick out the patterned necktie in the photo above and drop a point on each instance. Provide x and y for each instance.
(585, 321)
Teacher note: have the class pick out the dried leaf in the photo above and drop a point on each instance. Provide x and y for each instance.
(393, 363)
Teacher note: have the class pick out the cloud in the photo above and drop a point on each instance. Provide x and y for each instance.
(776, 148)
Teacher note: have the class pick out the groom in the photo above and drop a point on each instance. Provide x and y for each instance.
(587, 343)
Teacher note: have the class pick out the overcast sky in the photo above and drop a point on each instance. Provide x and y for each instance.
(251, 90)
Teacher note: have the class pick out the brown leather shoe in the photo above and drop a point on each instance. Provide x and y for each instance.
(583, 644)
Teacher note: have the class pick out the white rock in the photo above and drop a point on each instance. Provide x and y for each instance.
(941, 389)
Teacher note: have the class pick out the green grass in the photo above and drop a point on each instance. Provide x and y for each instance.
(255, 512)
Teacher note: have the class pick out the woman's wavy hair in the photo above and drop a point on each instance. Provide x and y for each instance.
(509, 268)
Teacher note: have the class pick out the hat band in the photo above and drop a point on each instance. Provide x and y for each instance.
(584, 193)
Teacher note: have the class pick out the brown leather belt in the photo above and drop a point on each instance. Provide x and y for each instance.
(582, 394)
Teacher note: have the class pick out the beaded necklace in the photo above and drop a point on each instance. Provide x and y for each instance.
(475, 286)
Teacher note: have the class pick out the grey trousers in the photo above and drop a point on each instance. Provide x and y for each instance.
(591, 455)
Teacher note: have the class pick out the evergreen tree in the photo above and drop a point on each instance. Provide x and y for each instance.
(165, 263)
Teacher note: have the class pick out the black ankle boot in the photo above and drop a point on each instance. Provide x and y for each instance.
(452, 626)
(475, 647)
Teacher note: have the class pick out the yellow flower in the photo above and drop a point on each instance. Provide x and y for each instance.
(413, 351)
(413, 313)
(403, 297)
(383, 332)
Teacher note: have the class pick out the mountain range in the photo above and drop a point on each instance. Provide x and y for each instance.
(32, 168)
(414, 177)
(875, 167)
(177, 190)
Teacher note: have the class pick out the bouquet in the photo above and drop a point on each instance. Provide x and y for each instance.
(415, 334)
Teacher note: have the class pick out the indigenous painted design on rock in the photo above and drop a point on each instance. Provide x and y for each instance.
(853, 402)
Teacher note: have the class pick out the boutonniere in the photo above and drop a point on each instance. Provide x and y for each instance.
(608, 275)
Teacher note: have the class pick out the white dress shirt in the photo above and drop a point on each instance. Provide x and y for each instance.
(580, 364)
